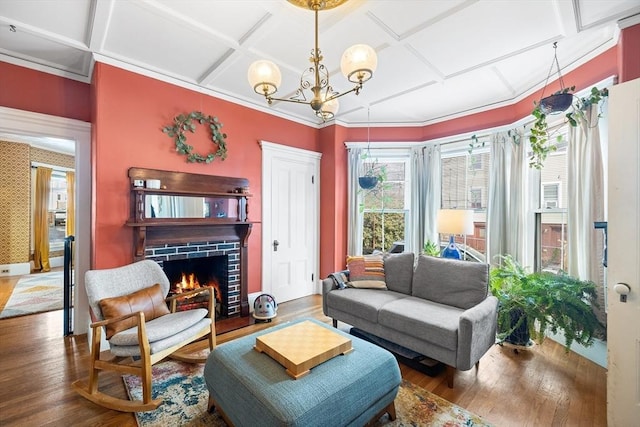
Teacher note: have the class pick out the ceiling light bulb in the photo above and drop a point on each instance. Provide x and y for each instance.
(358, 63)
(264, 77)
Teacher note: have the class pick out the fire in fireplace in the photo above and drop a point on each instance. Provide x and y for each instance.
(191, 273)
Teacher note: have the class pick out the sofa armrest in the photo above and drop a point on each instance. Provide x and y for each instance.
(327, 286)
(476, 332)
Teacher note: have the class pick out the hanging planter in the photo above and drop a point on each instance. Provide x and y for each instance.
(372, 173)
(368, 182)
(556, 103)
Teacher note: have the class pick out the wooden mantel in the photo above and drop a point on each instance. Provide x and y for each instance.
(227, 191)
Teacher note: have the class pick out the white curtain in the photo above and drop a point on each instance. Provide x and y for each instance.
(585, 187)
(432, 192)
(354, 244)
(506, 203)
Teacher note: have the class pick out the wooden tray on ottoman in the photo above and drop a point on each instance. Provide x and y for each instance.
(302, 346)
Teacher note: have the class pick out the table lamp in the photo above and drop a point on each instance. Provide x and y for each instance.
(452, 222)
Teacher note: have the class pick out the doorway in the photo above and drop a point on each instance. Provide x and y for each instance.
(18, 125)
(291, 231)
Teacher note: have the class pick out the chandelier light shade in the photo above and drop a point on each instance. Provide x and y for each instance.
(328, 109)
(265, 77)
(358, 64)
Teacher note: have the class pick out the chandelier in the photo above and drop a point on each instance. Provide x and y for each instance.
(358, 64)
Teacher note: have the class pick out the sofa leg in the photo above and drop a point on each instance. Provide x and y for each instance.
(450, 373)
(335, 323)
(477, 365)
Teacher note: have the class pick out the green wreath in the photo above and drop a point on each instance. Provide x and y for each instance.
(183, 123)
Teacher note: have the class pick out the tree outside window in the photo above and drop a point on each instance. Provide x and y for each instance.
(385, 209)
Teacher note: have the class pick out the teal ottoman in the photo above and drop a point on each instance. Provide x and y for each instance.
(249, 388)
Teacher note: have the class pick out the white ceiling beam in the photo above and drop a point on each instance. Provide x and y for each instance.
(568, 16)
(98, 25)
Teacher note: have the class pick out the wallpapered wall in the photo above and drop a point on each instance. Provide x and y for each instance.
(15, 190)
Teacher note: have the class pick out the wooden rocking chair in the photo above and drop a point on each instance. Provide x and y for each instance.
(130, 304)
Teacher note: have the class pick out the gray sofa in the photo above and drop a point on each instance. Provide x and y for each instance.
(441, 309)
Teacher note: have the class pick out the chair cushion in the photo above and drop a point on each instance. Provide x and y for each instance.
(187, 335)
(161, 327)
(461, 284)
(148, 300)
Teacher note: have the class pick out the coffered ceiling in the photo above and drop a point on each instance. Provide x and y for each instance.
(437, 59)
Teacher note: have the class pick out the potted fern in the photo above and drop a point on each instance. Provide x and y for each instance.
(530, 304)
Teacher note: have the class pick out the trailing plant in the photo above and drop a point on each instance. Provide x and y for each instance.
(540, 139)
(185, 122)
(372, 168)
(546, 301)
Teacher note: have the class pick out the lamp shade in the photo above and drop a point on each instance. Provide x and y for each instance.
(455, 221)
(264, 77)
(358, 63)
(329, 109)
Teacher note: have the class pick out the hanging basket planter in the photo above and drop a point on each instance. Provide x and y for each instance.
(368, 182)
(556, 103)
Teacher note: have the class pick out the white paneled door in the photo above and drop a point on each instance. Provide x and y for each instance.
(290, 221)
(623, 317)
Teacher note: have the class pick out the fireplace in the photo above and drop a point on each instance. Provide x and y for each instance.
(187, 237)
(191, 273)
(211, 264)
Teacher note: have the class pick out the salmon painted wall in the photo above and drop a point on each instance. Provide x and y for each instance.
(130, 112)
(30, 90)
(333, 200)
(629, 58)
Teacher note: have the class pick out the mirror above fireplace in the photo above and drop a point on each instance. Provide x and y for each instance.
(166, 206)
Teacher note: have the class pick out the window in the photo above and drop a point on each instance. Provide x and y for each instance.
(475, 198)
(551, 228)
(385, 208)
(57, 210)
(550, 195)
(465, 184)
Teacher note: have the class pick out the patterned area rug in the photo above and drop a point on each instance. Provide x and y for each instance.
(184, 393)
(35, 293)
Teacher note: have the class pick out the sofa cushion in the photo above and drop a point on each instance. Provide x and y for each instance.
(422, 319)
(363, 303)
(461, 284)
(398, 272)
(365, 267)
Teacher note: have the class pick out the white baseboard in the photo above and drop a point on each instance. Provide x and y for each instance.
(18, 269)
(56, 261)
(597, 353)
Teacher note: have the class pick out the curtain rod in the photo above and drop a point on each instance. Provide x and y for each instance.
(54, 167)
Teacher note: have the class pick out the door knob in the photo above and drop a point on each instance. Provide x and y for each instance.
(623, 290)
(275, 245)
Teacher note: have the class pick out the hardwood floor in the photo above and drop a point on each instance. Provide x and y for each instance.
(541, 387)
